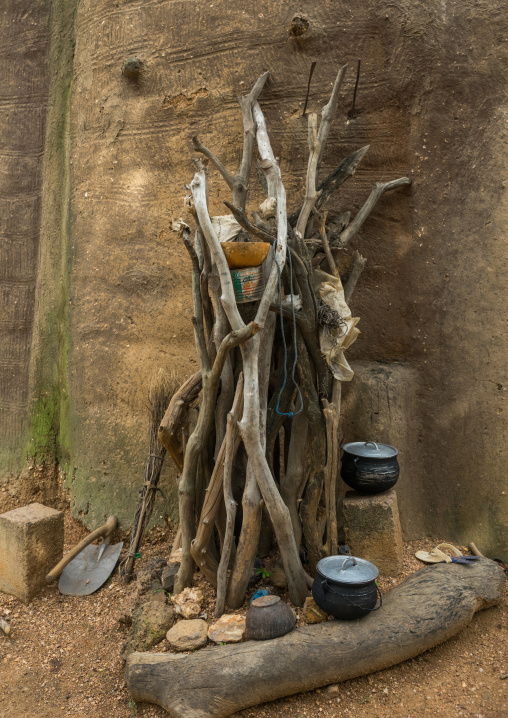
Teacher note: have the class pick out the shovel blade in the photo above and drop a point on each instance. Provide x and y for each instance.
(85, 574)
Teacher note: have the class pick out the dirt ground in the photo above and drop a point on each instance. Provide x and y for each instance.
(63, 659)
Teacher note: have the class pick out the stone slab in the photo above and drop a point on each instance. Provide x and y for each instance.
(372, 529)
(31, 544)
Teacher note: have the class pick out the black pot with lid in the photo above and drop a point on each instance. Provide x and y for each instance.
(369, 467)
(345, 587)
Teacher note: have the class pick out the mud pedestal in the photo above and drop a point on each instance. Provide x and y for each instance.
(31, 544)
(372, 529)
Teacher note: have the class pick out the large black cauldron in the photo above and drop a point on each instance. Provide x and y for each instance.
(369, 468)
(345, 586)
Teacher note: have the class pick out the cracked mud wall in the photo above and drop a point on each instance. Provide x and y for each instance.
(432, 105)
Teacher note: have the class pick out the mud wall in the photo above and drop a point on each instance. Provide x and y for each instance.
(24, 86)
(432, 105)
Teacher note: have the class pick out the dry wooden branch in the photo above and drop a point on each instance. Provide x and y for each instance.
(196, 445)
(335, 179)
(294, 476)
(249, 426)
(311, 193)
(200, 546)
(197, 319)
(317, 143)
(359, 263)
(378, 189)
(231, 448)
(331, 414)
(239, 183)
(326, 246)
(309, 510)
(327, 115)
(175, 418)
(429, 607)
(205, 264)
(252, 503)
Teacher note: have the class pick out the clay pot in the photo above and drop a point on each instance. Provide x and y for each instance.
(369, 468)
(241, 255)
(268, 617)
(345, 587)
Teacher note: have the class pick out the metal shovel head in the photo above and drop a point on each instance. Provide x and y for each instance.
(85, 573)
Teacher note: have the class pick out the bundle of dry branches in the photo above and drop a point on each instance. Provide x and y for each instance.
(161, 390)
(246, 397)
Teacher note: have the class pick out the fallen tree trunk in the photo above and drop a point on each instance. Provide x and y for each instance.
(429, 607)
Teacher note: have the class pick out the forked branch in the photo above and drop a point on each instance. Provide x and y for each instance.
(239, 182)
(379, 189)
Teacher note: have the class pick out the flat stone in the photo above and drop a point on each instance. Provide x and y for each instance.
(188, 635)
(228, 629)
(168, 576)
(312, 613)
(188, 602)
(31, 544)
(372, 529)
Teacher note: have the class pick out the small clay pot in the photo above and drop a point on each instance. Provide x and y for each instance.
(268, 617)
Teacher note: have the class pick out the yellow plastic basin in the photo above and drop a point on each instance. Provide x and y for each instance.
(241, 255)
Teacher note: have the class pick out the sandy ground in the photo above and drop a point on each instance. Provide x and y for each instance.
(63, 659)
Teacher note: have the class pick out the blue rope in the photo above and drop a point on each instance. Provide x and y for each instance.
(289, 413)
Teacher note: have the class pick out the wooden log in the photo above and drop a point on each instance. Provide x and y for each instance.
(429, 607)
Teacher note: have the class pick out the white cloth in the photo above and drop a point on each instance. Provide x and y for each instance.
(226, 227)
(332, 341)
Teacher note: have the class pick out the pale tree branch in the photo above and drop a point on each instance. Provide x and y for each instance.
(239, 182)
(317, 143)
(311, 193)
(359, 263)
(249, 129)
(198, 188)
(271, 170)
(378, 189)
(327, 115)
(200, 147)
(233, 339)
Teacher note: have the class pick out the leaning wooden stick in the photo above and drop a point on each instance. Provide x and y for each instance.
(231, 447)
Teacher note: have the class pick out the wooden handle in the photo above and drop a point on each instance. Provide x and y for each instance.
(474, 550)
(105, 530)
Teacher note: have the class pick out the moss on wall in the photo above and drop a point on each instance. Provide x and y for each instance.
(48, 435)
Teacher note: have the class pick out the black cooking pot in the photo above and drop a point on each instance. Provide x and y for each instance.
(345, 587)
(368, 467)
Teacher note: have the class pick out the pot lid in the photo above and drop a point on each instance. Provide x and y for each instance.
(371, 449)
(347, 569)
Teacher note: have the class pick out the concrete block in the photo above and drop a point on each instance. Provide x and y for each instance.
(372, 529)
(31, 544)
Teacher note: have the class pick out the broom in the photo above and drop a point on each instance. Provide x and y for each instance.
(162, 388)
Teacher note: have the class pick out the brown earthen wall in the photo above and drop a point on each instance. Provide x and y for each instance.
(432, 105)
